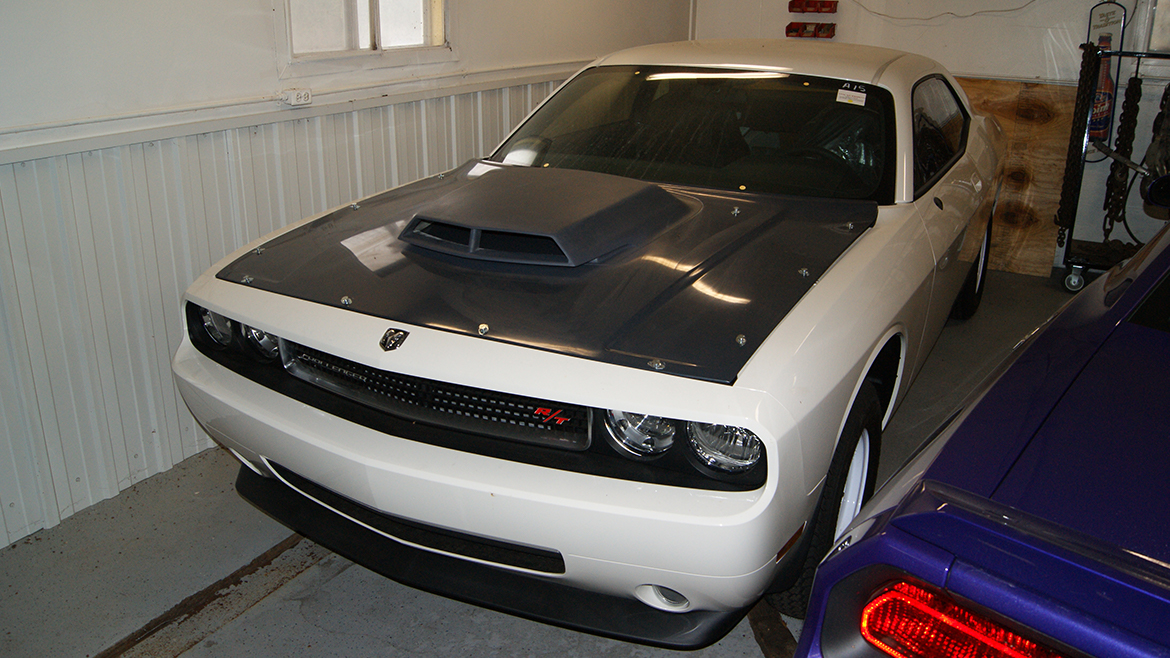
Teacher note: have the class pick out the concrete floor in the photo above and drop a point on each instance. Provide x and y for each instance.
(179, 565)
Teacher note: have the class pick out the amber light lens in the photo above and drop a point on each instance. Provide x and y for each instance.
(906, 621)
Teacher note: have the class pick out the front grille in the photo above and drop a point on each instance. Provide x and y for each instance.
(501, 415)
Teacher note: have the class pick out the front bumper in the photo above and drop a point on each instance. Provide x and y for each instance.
(513, 592)
(716, 548)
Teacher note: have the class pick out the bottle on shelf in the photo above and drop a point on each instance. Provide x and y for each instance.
(1101, 118)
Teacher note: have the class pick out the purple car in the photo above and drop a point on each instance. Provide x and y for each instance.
(1037, 521)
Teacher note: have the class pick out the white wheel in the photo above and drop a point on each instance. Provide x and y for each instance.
(967, 302)
(853, 495)
(848, 484)
(981, 261)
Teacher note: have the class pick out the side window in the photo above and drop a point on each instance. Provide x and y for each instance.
(354, 26)
(940, 130)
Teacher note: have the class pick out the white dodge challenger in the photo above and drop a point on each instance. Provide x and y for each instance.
(628, 373)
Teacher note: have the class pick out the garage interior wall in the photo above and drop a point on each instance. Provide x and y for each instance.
(141, 142)
(1034, 40)
(1017, 60)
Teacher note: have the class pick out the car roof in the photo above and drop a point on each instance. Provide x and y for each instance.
(828, 59)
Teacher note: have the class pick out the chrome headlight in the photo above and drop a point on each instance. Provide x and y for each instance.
(225, 335)
(724, 448)
(639, 435)
(265, 343)
(217, 327)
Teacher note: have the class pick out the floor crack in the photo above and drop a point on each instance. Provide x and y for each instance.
(201, 614)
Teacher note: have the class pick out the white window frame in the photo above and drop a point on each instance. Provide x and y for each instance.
(294, 65)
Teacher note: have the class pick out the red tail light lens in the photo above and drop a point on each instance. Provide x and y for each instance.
(906, 621)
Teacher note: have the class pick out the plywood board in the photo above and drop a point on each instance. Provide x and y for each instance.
(1036, 119)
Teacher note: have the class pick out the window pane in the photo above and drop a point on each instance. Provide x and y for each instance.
(402, 22)
(319, 25)
(939, 123)
(365, 39)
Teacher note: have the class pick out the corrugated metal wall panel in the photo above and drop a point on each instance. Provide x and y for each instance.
(26, 488)
(97, 248)
(58, 321)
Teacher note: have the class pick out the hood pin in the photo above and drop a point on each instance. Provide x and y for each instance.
(657, 364)
(741, 340)
(346, 301)
(483, 329)
(247, 279)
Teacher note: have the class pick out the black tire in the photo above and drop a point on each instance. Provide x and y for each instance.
(864, 416)
(972, 293)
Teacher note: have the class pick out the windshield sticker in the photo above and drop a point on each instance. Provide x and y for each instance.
(851, 97)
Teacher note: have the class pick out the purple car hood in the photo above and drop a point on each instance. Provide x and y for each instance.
(1099, 464)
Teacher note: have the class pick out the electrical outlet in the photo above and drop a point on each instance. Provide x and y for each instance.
(297, 97)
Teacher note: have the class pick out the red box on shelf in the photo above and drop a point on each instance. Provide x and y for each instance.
(811, 30)
(812, 6)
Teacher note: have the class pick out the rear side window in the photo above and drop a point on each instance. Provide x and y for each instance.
(940, 131)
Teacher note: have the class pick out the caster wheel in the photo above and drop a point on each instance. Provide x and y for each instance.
(1074, 282)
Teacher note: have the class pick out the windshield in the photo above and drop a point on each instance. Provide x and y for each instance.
(733, 130)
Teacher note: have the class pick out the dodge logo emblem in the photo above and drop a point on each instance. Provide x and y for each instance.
(392, 339)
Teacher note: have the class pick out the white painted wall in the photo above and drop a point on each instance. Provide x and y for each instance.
(141, 141)
(73, 69)
(1002, 39)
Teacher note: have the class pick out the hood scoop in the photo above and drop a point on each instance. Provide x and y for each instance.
(544, 216)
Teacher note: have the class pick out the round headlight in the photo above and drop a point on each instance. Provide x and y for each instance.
(217, 327)
(265, 343)
(639, 435)
(727, 449)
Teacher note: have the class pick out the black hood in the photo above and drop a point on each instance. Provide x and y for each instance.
(686, 281)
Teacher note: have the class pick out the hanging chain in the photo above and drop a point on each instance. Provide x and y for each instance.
(1118, 184)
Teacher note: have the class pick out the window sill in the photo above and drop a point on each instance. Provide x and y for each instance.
(301, 66)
